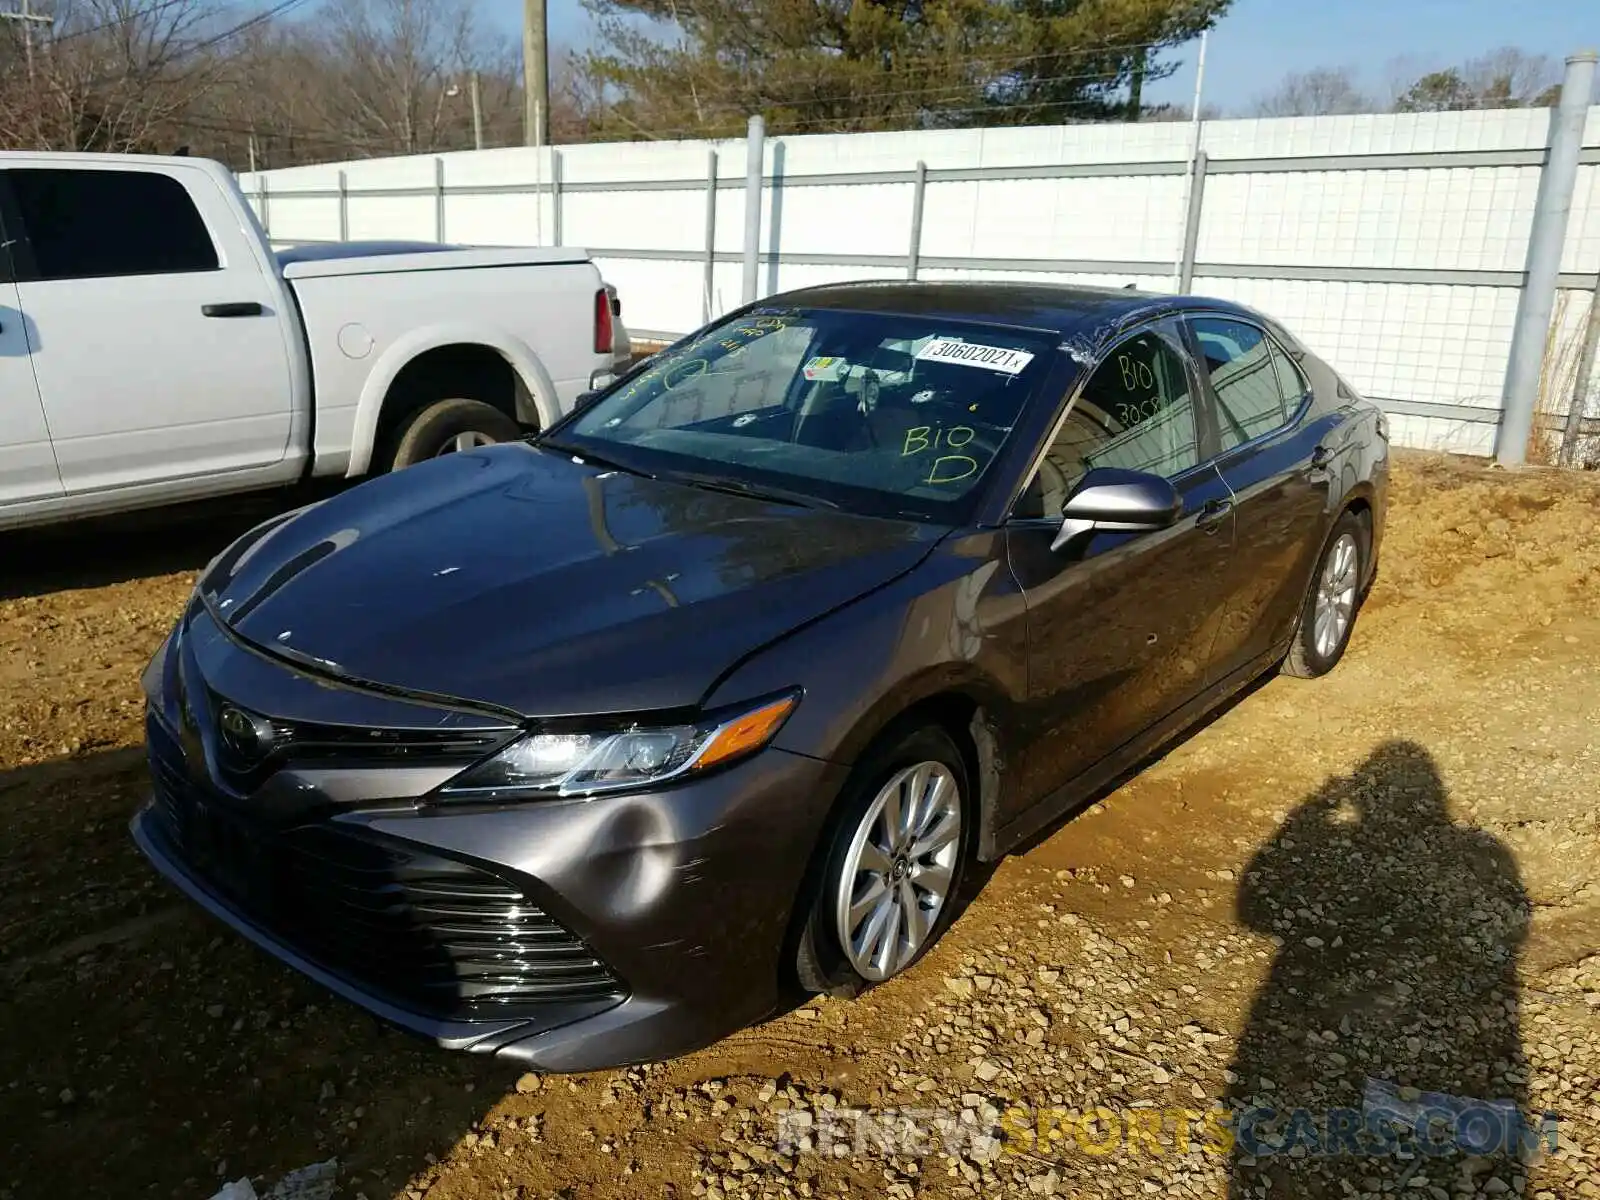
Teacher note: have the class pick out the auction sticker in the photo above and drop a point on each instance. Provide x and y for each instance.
(975, 354)
(825, 369)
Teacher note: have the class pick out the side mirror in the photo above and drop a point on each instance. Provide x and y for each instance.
(1111, 500)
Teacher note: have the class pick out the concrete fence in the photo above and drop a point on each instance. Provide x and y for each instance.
(1397, 246)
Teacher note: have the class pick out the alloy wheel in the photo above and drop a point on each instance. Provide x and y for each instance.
(471, 440)
(898, 870)
(1336, 596)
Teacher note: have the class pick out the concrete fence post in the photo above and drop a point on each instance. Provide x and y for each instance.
(755, 151)
(438, 200)
(344, 207)
(1546, 241)
(555, 197)
(263, 199)
(1191, 222)
(709, 282)
(918, 198)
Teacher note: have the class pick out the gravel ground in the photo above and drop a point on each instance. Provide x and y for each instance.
(1385, 883)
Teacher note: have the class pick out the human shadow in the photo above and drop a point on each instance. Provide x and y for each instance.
(1383, 1050)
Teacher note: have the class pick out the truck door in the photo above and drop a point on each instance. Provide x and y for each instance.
(155, 335)
(27, 464)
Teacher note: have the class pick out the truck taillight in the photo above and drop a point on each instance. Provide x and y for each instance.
(602, 322)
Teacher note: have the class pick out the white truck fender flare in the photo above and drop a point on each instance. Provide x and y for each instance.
(517, 353)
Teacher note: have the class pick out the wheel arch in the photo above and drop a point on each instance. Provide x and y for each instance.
(385, 399)
(1360, 500)
(969, 708)
(963, 708)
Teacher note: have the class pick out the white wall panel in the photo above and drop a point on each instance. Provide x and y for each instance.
(1438, 342)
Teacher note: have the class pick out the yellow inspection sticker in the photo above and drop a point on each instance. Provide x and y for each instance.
(975, 354)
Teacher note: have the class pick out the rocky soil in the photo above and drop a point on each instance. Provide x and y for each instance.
(1385, 883)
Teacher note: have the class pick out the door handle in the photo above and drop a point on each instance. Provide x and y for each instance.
(1212, 514)
(238, 308)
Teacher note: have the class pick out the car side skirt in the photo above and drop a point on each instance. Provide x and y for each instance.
(1122, 761)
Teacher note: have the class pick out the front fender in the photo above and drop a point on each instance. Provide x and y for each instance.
(536, 383)
(954, 627)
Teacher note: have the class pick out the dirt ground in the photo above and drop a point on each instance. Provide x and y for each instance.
(1391, 874)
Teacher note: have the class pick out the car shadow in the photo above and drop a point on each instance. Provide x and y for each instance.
(1383, 1050)
(97, 551)
(147, 1050)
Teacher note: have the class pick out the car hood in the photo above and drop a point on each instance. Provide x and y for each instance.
(528, 581)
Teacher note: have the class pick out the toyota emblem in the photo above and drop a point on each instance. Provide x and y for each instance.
(247, 736)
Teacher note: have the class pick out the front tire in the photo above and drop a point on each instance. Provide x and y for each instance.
(450, 427)
(1328, 616)
(895, 860)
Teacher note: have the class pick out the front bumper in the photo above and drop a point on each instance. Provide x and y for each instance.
(590, 933)
(685, 895)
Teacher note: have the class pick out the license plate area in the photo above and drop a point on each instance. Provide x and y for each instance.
(229, 854)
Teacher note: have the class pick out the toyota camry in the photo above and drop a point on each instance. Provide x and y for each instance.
(590, 749)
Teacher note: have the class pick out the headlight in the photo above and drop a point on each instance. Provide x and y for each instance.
(584, 763)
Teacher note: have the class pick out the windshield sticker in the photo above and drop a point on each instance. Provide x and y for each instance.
(826, 369)
(975, 354)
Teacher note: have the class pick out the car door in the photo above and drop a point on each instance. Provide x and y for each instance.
(27, 462)
(1120, 630)
(1268, 455)
(155, 335)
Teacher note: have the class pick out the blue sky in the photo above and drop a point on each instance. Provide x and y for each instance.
(1260, 41)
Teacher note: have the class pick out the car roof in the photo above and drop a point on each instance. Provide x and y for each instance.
(1071, 311)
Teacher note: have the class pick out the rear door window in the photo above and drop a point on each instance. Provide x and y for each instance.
(1238, 359)
(1292, 385)
(87, 224)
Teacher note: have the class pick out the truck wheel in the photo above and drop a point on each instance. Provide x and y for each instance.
(448, 426)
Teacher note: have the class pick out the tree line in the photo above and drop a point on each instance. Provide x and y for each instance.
(279, 83)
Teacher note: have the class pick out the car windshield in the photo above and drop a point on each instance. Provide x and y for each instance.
(874, 413)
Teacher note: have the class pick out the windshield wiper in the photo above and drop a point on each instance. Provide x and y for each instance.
(593, 459)
(755, 491)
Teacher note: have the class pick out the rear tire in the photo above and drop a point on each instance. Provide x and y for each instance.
(1328, 616)
(896, 852)
(451, 426)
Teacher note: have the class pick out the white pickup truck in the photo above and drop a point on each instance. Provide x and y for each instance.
(154, 348)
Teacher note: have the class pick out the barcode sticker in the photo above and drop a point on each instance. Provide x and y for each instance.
(975, 354)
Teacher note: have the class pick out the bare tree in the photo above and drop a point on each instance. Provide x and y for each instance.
(1512, 78)
(1326, 91)
(108, 74)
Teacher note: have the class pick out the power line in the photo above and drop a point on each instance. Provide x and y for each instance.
(952, 89)
(160, 6)
(998, 71)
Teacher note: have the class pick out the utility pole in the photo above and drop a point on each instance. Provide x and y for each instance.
(29, 19)
(477, 114)
(535, 73)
